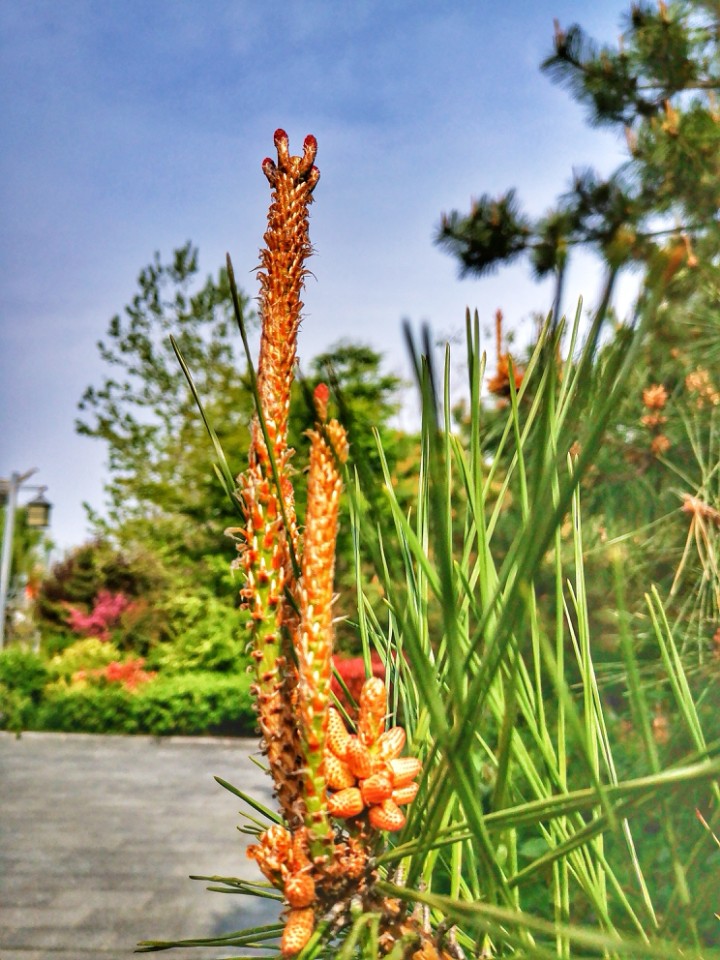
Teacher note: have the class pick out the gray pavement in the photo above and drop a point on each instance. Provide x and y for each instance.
(98, 836)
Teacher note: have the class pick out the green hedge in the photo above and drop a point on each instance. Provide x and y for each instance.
(186, 704)
(23, 671)
(23, 676)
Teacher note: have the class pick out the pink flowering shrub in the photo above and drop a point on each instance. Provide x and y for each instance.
(105, 614)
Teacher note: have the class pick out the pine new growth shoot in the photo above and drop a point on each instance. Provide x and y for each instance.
(269, 543)
(320, 857)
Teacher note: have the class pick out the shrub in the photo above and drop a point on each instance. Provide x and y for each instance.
(107, 608)
(23, 672)
(208, 635)
(191, 704)
(97, 568)
(55, 641)
(15, 709)
(88, 654)
(197, 703)
(128, 673)
(86, 709)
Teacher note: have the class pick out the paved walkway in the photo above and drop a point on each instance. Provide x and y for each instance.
(99, 834)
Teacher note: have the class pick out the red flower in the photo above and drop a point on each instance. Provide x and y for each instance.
(352, 671)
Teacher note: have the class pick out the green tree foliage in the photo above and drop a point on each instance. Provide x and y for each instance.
(164, 499)
(365, 400)
(659, 209)
(161, 487)
(657, 214)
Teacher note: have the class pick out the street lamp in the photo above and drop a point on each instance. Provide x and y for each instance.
(38, 511)
(38, 516)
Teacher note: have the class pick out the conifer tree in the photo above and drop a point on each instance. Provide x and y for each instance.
(657, 214)
(161, 490)
(659, 210)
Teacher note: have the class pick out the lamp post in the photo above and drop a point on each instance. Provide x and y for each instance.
(38, 515)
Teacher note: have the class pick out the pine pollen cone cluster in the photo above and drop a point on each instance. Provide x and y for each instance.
(499, 383)
(366, 769)
(654, 399)
(337, 789)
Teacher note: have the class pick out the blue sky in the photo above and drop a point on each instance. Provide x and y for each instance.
(130, 127)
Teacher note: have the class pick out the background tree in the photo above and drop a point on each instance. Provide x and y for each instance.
(365, 399)
(657, 87)
(657, 214)
(163, 494)
(161, 487)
